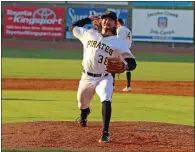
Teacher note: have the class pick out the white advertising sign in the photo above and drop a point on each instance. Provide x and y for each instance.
(160, 25)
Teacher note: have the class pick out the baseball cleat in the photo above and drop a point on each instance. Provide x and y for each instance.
(104, 138)
(82, 122)
(127, 89)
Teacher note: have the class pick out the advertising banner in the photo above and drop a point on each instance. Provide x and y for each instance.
(163, 25)
(74, 14)
(20, 21)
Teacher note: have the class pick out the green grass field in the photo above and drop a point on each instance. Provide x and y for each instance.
(21, 106)
(20, 63)
(67, 65)
(77, 55)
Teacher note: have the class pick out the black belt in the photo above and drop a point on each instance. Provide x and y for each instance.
(95, 75)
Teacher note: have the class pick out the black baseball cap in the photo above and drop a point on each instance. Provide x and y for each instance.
(109, 14)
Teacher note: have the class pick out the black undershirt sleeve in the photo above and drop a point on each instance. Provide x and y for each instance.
(80, 23)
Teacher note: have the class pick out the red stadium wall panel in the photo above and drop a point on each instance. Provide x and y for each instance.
(41, 22)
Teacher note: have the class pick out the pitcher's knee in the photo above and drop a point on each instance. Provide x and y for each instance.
(82, 105)
(106, 98)
(105, 101)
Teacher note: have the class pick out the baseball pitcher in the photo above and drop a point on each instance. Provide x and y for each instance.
(99, 60)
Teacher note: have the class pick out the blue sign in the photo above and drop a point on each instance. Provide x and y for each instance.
(75, 14)
(162, 3)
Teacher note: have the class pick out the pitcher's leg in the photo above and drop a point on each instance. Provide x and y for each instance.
(105, 88)
(85, 94)
(104, 91)
(106, 116)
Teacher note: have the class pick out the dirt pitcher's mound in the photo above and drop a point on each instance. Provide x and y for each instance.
(175, 88)
(133, 136)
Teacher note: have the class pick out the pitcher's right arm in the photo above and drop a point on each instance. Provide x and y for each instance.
(77, 28)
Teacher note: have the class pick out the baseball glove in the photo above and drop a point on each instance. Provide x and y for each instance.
(115, 65)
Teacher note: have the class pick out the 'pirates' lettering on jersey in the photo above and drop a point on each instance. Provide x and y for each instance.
(102, 46)
(97, 49)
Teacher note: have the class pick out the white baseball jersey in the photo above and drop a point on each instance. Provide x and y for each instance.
(125, 34)
(97, 49)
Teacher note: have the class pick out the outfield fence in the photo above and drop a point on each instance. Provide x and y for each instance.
(163, 24)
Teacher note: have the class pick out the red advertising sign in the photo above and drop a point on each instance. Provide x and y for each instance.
(39, 22)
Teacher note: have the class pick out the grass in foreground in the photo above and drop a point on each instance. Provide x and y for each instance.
(20, 106)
